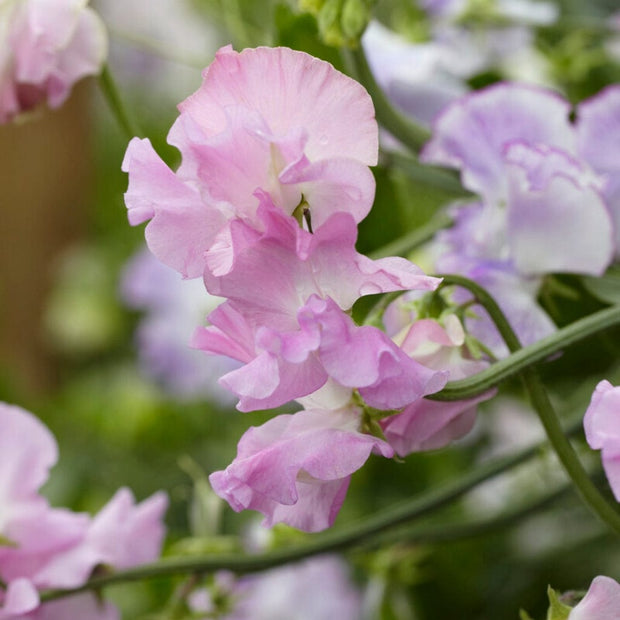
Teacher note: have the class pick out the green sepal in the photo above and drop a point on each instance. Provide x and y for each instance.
(6, 542)
(557, 609)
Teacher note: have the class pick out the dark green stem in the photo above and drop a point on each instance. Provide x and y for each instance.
(541, 403)
(448, 532)
(521, 359)
(112, 96)
(400, 126)
(336, 540)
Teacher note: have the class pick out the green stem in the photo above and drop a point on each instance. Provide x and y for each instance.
(335, 540)
(521, 359)
(400, 126)
(444, 179)
(412, 240)
(448, 532)
(112, 96)
(541, 403)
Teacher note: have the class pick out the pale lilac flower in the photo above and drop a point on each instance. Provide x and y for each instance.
(45, 47)
(296, 469)
(473, 132)
(86, 606)
(421, 78)
(598, 131)
(602, 601)
(287, 290)
(542, 207)
(173, 308)
(271, 120)
(602, 427)
(316, 588)
(414, 76)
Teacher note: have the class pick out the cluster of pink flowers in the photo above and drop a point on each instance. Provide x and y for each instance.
(42, 547)
(264, 207)
(45, 47)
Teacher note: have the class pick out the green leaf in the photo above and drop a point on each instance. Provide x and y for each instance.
(607, 287)
(523, 615)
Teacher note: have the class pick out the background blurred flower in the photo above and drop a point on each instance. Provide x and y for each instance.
(45, 47)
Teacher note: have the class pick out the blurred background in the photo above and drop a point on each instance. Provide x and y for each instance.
(92, 332)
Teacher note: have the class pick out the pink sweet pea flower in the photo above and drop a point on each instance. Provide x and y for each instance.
(45, 47)
(602, 601)
(602, 427)
(427, 424)
(122, 534)
(34, 530)
(271, 120)
(19, 598)
(296, 469)
(287, 290)
(43, 547)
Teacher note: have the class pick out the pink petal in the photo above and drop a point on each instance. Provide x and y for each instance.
(295, 468)
(289, 89)
(602, 418)
(602, 601)
(27, 452)
(183, 226)
(430, 425)
(20, 598)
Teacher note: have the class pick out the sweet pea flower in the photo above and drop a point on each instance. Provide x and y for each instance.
(602, 427)
(45, 47)
(516, 147)
(43, 547)
(422, 78)
(426, 424)
(319, 587)
(415, 77)
(598, 131)
(266, 120)
(284, 317)
(83, 606)
(601, 602)
(296, 469)
(173, 307)
(542, 206)
(32, 532)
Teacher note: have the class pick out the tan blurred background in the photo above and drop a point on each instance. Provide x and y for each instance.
(45, 186)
